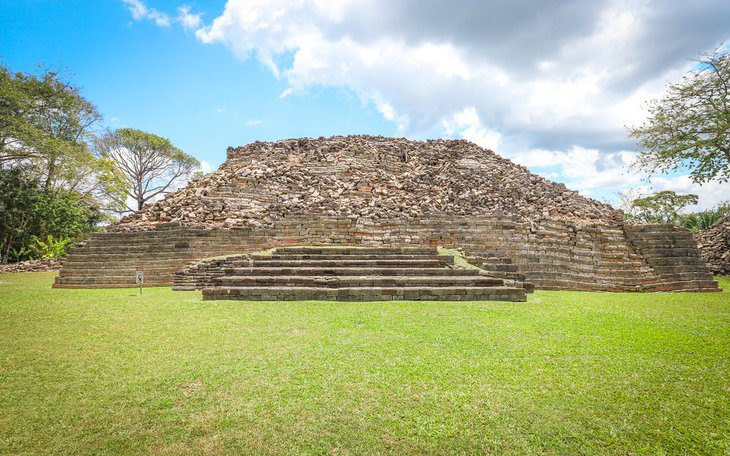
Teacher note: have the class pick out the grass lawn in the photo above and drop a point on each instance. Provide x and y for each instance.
(107, 371)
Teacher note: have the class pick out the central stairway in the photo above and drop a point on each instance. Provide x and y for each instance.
(358, 274)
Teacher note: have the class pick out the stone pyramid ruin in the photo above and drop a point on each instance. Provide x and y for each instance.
(386, 194)
(366, 178)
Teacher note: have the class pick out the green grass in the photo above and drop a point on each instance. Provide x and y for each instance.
(108, 371)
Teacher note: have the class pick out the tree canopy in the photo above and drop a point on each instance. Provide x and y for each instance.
(690, 126)
(59, 175)
(662, 207)
(147, 165)
(46, 125)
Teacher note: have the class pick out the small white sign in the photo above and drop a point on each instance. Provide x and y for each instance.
(139, 276)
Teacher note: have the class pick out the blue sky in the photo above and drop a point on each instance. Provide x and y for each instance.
(163, 80)
(550, 85)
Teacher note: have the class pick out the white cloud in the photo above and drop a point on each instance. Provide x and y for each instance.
(548, 84)
(467, 125)
(140, 11)
(253, 122)
(220, 109)
(207, 167)
(711, 194)
(189, 20)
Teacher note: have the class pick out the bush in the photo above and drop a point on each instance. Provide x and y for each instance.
(51, 247)
(39, 222)
(702, 220)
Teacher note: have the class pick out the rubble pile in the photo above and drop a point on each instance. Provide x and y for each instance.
(40, 265)
(714, 244)
(367, 178)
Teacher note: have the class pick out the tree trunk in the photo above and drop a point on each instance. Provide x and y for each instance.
(49, 176)
(6, 253)
(140, 194)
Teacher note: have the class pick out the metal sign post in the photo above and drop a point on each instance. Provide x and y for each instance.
(139, 278)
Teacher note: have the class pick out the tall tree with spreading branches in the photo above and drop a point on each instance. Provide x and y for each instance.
(662, 207)
(46, 125)
(690, 126)
(146, 166)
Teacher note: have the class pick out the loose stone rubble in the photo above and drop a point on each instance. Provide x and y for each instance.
(714, 243)
(41, 265)
(374, 178)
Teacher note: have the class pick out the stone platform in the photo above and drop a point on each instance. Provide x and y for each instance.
(354, 274)
(553, 255)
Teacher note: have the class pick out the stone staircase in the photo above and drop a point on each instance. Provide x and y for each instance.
(109, 260)
(673, 255)
(501, 266)
(355, 274)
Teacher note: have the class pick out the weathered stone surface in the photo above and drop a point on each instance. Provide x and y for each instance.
(714, 244)
(385, 273)
(381, 192)
(369, 179)
(41, 265)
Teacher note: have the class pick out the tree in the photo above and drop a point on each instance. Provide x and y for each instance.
(690, 126)
(698, 221)
(30, 212)
(18, 198)
(144, 165)
(662, 207)
(46, 125)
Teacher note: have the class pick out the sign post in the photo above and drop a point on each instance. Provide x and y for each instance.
(139, 278)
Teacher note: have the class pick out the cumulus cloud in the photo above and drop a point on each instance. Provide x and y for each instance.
(711, 193)
(141, 11)
(548, 84)
(188, 19)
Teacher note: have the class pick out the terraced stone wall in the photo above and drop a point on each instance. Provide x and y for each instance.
(553, 255)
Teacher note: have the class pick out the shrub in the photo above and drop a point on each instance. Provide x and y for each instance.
(51, 247)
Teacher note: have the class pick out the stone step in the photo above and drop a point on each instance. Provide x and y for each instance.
(347, 271)
(384, 263)
(166, 278)
(507, 275)
(350, 250)
(112, 270)
(684, 285)
(329, 256)
(110, 285)
(671, 253)
(512, 294)
(684, 276)
(669, 243)
(676, 261)
(498, 267)
(127, 264)
(491, 259)
(360, 281)
(121, 256)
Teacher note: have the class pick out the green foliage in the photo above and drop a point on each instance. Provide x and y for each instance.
(690, 126)
(18, 198)
(51, 247)
(19, 254)
(702, 220)
(46, 124)
(31, 213)
(142, 165)
(662, 207)
(48, 128)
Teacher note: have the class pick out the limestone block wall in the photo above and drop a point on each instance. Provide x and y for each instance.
(551, 254)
